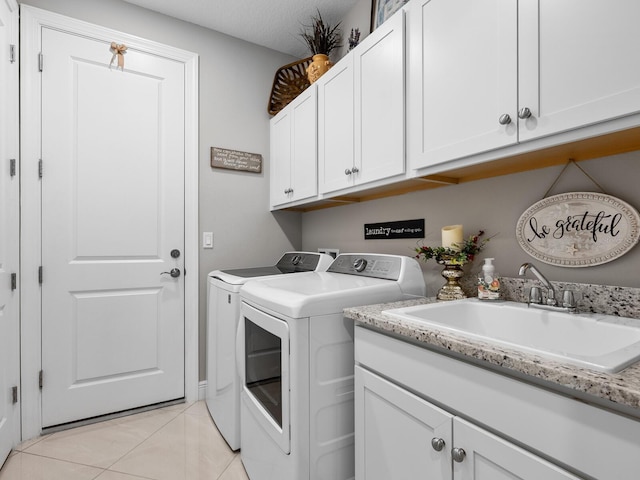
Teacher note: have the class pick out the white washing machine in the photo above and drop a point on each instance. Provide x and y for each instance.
(296, 364)
(223, 310)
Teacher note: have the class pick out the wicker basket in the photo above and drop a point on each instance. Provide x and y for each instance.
(289, 82)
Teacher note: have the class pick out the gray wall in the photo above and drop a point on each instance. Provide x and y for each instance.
(358, 17)
(494, 205)
(235, 82)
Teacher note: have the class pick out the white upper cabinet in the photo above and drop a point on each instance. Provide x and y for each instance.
(578, 63)
(463, 68)
(379, 102)
(293, 151)
(336, 126)
(486, 74)
(361, 112)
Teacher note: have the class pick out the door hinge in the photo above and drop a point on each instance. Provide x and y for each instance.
(40, 168)
(12, 53)
(14, 281)
(12, 167)
(40, 61)
(40, 274)
(14, 394)
(40, 379)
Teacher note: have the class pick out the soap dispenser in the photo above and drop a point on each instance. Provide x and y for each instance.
(488, 281)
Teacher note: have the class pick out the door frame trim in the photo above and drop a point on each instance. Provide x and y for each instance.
(32, 21)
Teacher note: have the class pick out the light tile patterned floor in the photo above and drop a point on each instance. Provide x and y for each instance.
(173, 443)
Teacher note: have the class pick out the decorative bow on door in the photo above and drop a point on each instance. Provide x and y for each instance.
(118, 50)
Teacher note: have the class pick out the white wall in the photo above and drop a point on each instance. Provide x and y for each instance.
(235, 82)
(494, 205)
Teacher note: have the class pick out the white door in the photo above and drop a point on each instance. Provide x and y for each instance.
(112, 212)
(463, 77)
(336, 128)
(379, 102)
(568, 80)
(398, 435)
(281, 157)
(488, 457)
(9, 231)
(304, 161)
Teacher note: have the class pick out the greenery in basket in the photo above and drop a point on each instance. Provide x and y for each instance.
(321, 37)
(465, 253)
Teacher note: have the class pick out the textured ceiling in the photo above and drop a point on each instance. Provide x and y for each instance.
(272, 23)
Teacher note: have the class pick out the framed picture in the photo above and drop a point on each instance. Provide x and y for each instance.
(382, 10)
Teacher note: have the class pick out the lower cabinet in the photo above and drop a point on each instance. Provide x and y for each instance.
(400, 435)
(422, 413)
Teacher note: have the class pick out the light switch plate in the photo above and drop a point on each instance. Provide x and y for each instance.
(207, 239)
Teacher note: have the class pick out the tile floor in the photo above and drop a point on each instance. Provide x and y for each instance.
(172, 443)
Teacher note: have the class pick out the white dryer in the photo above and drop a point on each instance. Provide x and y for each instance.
(296, 364)
(223, 310)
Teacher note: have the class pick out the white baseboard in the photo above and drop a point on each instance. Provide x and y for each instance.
(202, 390)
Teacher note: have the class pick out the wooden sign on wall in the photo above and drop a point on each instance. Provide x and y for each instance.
(235, 160)
(578, 229)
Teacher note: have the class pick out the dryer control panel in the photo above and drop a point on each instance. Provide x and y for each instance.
(387, 267)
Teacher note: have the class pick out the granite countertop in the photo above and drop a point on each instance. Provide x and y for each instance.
(622, 388)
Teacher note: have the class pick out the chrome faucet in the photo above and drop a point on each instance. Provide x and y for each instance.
(551, 293)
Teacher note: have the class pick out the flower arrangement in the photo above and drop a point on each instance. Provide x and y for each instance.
(321, 37)
(465, 252)
(354, 38)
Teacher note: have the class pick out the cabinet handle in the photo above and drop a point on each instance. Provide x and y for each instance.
(288, 191)
(504, 119)
(524, 113)
(355, 170)
(437, 444)
(458, 454)
(347, 171)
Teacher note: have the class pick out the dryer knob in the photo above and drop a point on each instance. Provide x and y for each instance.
(360, 264)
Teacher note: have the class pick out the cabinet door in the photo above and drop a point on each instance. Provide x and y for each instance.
(578, 63)
(336, 127)
(394, 431)
(280, 157)
(304, 160)
(462, 78)
(488, 457)
(379, 102)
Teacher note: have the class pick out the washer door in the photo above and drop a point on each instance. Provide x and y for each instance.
(266, 372)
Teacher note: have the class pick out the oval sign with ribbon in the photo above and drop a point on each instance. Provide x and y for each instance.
(578, 229)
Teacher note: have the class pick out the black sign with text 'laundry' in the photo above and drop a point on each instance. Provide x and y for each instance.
(390, 230)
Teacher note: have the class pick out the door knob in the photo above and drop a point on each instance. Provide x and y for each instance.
(437, 444)
(504, 119)
(175, 272)
(524, 113)
(458, 454)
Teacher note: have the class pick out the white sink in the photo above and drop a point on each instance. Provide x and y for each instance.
(586, 340)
